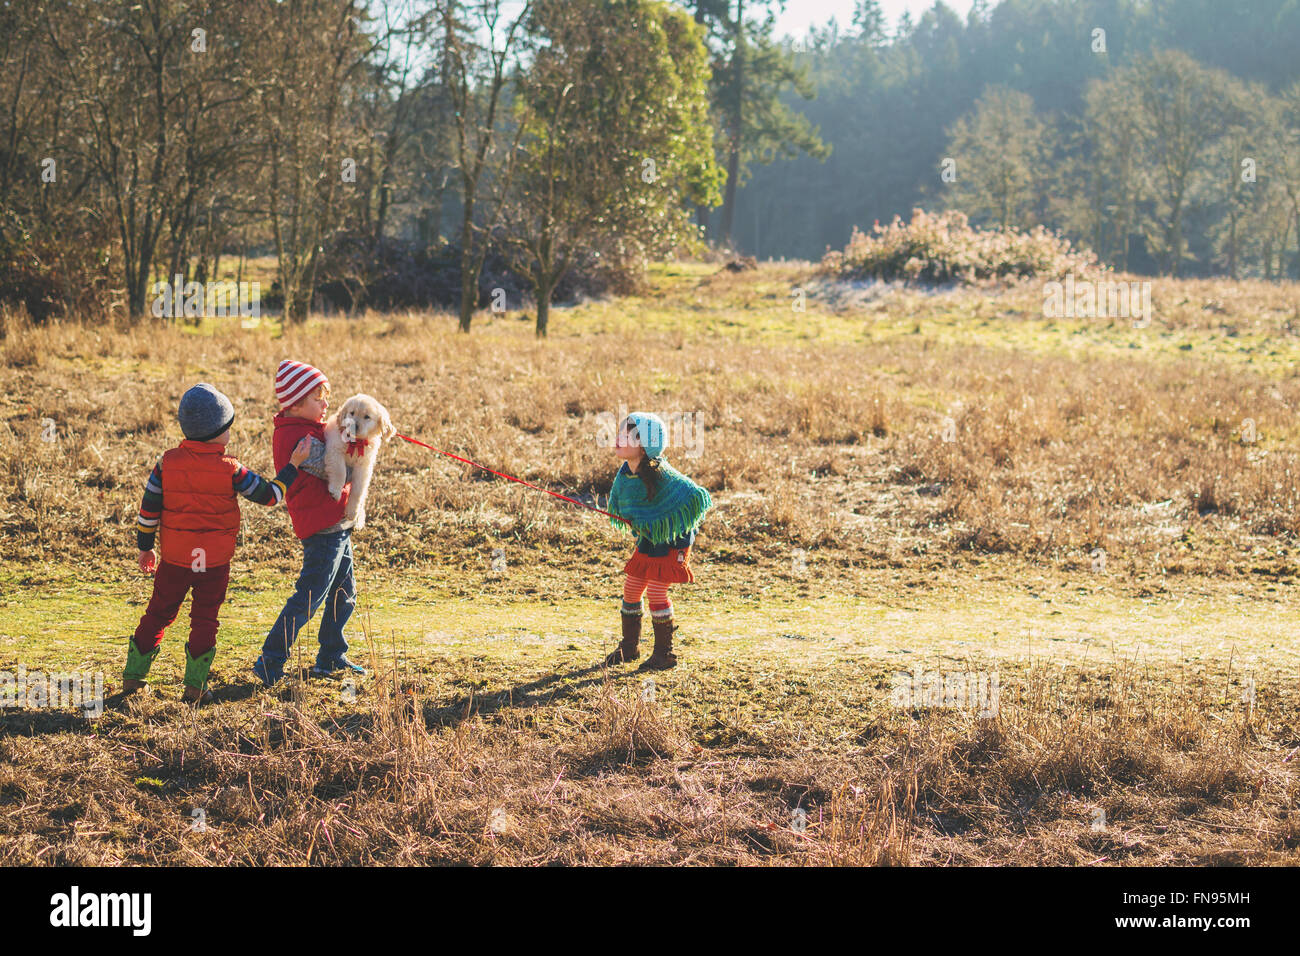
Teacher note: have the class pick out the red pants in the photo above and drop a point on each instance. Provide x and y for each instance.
(170, 584)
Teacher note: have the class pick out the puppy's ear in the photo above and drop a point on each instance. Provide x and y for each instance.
(386, 429)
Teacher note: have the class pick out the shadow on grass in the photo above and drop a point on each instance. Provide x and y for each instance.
(232, 693)
(39, 721)
(542, 691)
(33, 723)
(534, 693)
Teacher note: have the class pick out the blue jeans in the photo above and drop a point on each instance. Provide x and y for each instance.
(326, 577)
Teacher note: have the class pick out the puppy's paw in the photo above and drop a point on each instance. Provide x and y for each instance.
(360, 521)
(336, 491)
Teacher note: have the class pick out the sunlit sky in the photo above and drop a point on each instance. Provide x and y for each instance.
(799, 15)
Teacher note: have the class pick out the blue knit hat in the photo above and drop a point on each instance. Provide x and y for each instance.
(205, 413)
(651, 432)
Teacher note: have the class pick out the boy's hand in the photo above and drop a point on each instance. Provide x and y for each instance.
(300, 452)
(148, 562)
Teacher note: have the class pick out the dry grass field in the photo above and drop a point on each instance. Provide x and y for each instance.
(1102, 519)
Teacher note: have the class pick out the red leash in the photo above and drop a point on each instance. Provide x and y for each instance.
(499, 474)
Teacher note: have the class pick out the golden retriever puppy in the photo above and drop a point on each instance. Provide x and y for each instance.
(353, 437)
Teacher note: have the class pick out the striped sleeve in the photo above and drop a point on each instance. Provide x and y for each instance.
(151, 505)
(259, 490)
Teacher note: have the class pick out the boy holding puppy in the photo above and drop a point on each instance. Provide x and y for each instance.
(318, 521)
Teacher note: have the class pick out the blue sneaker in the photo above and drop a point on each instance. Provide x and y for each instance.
(267, 677)
(342, 664)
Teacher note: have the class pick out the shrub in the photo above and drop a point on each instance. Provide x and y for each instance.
(357, 273)
(946, 248)
(53, 271)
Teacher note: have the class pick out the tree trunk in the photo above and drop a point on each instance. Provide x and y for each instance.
(1232, 243)
(737, 104)
(1280, 271)
(1296, 268)
(136, 293)
(729, 198)
(1174, 236)
(543, 293)
(701, 212)
(1124, 242)
(702, 220)
(385, 194)
(468, 289)
(468, 277)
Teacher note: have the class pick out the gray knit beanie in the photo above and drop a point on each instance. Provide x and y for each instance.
(205, 413)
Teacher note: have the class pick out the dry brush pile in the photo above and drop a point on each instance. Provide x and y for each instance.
(944, 247)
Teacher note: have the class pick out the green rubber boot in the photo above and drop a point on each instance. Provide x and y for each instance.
(137, 666)
(196, 676)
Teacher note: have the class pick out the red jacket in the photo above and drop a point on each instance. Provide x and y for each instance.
(311, 508)
(199, 506)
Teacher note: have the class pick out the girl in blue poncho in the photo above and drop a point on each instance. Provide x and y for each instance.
(665, 509)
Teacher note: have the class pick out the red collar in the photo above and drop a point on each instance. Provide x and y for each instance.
(358, 447)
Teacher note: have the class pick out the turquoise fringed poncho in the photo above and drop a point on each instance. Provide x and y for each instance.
(677, 509)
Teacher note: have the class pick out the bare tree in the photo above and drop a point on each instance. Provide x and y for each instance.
(1283, 138)
(478, 52)
(1112, 136)
(312, 153)
(1000, 150)
(1182, 115)
(118, 75)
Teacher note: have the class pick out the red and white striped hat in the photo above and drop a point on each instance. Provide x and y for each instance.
(296, 380)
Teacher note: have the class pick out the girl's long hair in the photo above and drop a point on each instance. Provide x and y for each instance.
(648, 471)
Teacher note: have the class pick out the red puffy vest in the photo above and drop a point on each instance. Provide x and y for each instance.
(311, 508)
(199, 507)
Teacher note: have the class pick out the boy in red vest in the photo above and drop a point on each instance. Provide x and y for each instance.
(326, 576)
(191, 498)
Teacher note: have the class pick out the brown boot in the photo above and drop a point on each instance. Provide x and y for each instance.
(627, 650)
(192, 695)
(663, 657)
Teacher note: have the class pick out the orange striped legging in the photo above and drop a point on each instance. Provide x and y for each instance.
(656, 592)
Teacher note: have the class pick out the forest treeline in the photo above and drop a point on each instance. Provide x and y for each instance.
(448, 152)
(1163, 134)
